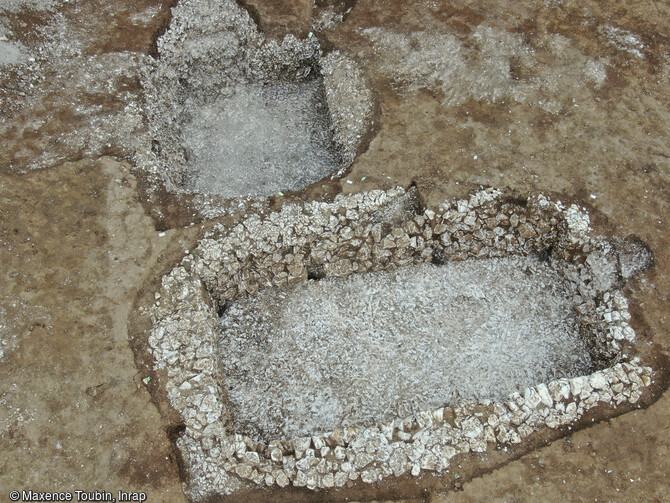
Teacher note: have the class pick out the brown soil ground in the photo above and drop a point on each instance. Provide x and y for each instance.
(77, 244)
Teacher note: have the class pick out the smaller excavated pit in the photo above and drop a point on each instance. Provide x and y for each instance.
(369, 348)
(236, 117)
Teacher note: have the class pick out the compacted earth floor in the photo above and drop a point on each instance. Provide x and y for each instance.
(565, 98)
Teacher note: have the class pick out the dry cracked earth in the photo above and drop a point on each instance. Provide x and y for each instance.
(565, 98)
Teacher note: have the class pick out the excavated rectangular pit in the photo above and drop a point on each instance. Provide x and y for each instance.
(347, 344)
(368, 348)
(259, 140)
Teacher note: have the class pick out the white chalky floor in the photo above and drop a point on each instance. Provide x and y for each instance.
(260, 140)
(369, 348)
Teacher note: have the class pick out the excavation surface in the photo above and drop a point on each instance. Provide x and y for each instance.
(76, 245)
(373, 347)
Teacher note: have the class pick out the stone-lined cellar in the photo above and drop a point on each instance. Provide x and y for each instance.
(378, 231)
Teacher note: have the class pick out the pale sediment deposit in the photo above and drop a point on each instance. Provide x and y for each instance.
(368, 348)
